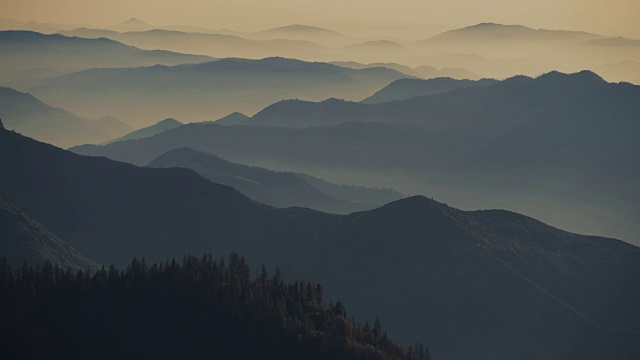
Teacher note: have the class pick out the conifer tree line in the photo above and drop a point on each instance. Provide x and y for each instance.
(199, 308)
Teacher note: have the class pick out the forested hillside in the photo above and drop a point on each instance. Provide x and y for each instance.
(199, 308)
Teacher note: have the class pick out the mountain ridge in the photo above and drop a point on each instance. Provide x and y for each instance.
(160, 126)
(300, 27)
(407, 88)
(24, 239)
(28, 56)
(29, 115)
(427, 261)
(495, 31)
(239, 85)
(499, 139)
(279, 189)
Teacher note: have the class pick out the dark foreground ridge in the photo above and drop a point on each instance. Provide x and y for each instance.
(197, 309)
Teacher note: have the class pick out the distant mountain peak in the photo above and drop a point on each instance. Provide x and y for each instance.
(134, 21)
(160, 126)
(588, 75)
(584, 76)
(168, 121)
(132, 24)
(333, 101)
(501, 32)
(235, 118)
(487, 27)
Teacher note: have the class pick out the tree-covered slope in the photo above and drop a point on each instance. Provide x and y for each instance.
(196, 309)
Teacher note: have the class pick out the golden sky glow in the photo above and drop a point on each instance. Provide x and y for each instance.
(412, 19)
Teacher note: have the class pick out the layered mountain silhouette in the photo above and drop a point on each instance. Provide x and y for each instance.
(209, 44)
(553, 99)
(279, 189)
(407, 88)
(429, 72)
(301, 32)
(132, 24)
(137, 25)
(47, 28)
(474, 284)
(561, 141)
(129, 25)
(515, 49)
(461, 110)
(483, 50)
(26, 56)
(393, 66)
(206, 91)
(28, 115)
(160, 126)
(24, 239)
(296, 33)
(302, 114)
(422, 71)
(352, 144)
(489, 32)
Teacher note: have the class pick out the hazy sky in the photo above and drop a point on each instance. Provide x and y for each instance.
(403, 18)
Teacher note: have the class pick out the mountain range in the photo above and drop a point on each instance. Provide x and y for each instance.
(486, 282)
(509, 50)
(205, 91)
(407, 88)
(279, 189)
(28, 115)
(208, 44)
(483, 50)
(304, 186)
(489, 32)
(46, 28)
(300, 32)
(27, 56)
(296, 32)
(160, 126)
(423, 71)
(505, 144)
